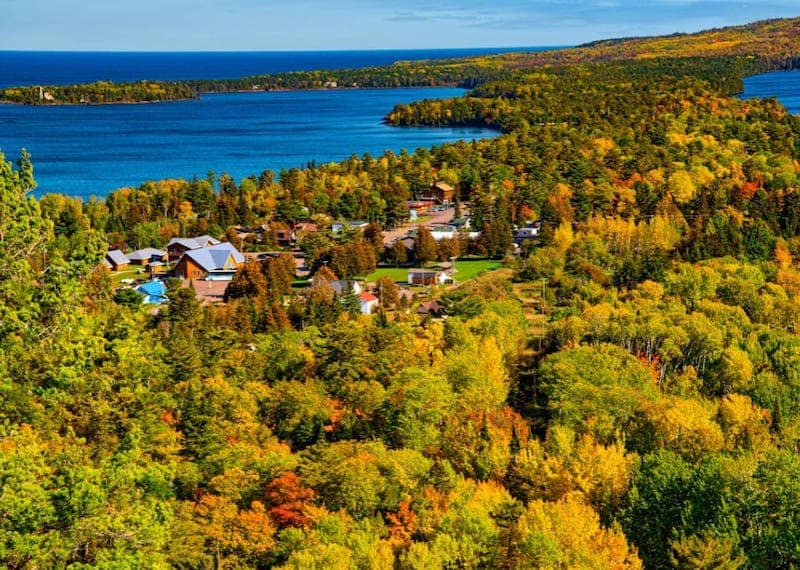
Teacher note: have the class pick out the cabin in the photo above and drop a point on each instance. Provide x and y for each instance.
(147, 256)
(441, 192)
(305, 228)
(431, 308)
(429, 277)
(284, 237)
(367, 303)
(215, 263)
(178, 246)
(115, 260)
(154, 292)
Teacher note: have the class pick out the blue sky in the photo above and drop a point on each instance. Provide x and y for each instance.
(356, 24)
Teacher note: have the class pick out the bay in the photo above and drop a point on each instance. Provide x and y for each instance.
(83, 151)
(92, 150)
(783, 85)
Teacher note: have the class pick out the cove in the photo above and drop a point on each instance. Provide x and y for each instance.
(783, 85)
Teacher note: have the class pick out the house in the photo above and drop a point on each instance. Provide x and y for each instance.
(432, 308)
(178, 246)
(338, 227)
(146, 256)
(115, 260)
(305, 228)
(284, 237)
(367, 302)
(441, 192)
(346, 287)
(409, 242)
(526, 233)
(443, 232)
(214, 263)
(155, 292)
(429, 277)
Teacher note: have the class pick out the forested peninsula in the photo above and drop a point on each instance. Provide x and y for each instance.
(770, 42)
(622, 392)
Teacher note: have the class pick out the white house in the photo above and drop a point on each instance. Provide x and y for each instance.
(367, 303)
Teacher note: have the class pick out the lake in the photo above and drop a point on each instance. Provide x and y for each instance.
(784, 85)
(92, 150)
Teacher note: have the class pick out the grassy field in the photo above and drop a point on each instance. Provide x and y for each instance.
(465, 270)
(132, 272)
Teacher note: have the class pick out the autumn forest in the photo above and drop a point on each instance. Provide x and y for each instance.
(624, 392)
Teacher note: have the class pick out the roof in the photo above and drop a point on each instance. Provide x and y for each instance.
(145, 254)
(430, 307)
(367, 297)
(425, 271)
(213, 258)
(116, 257)
(443, 186)
(345, 286)
(195, 242)
(207, 291)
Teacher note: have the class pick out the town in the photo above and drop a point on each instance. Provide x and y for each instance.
(403, 267)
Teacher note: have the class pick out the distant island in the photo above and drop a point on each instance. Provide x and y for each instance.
(769, 44)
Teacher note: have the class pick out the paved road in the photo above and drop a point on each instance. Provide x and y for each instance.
(432, 219)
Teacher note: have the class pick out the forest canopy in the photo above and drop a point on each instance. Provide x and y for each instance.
(624, 393)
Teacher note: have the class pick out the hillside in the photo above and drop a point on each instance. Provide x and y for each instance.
(624, 393)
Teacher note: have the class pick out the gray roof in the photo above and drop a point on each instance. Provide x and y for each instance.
(116, 257)
(213, 258)
(146, 254)
(195, 242)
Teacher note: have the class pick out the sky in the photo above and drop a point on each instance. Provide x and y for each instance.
(189, 25)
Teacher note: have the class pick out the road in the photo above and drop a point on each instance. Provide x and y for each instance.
(431, 219)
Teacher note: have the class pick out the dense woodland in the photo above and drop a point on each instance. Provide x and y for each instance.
(625, 394)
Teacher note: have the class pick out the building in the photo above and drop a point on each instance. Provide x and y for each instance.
(338, 227)
(305, 228)
(147, 256)
(178, 246)
(115, 260)
(526, 233)
(215, 263)
(431, 308)
(367, 303)
(155, 292)
(346, 287)
(418, 276)
(443, 232)
(208, 292)
(441, 192)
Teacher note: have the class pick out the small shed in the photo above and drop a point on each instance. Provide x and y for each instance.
(115, 260)
(367, 303)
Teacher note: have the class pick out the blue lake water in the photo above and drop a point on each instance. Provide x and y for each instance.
(85, 151)
(783, 85)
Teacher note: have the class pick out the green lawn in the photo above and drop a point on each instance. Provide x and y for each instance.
(465, 270)
(398, 274)
(131, 273)
(469, 269)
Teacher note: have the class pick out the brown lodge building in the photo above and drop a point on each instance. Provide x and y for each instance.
(214, 263)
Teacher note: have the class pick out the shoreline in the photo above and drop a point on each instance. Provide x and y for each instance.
(253, 91)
